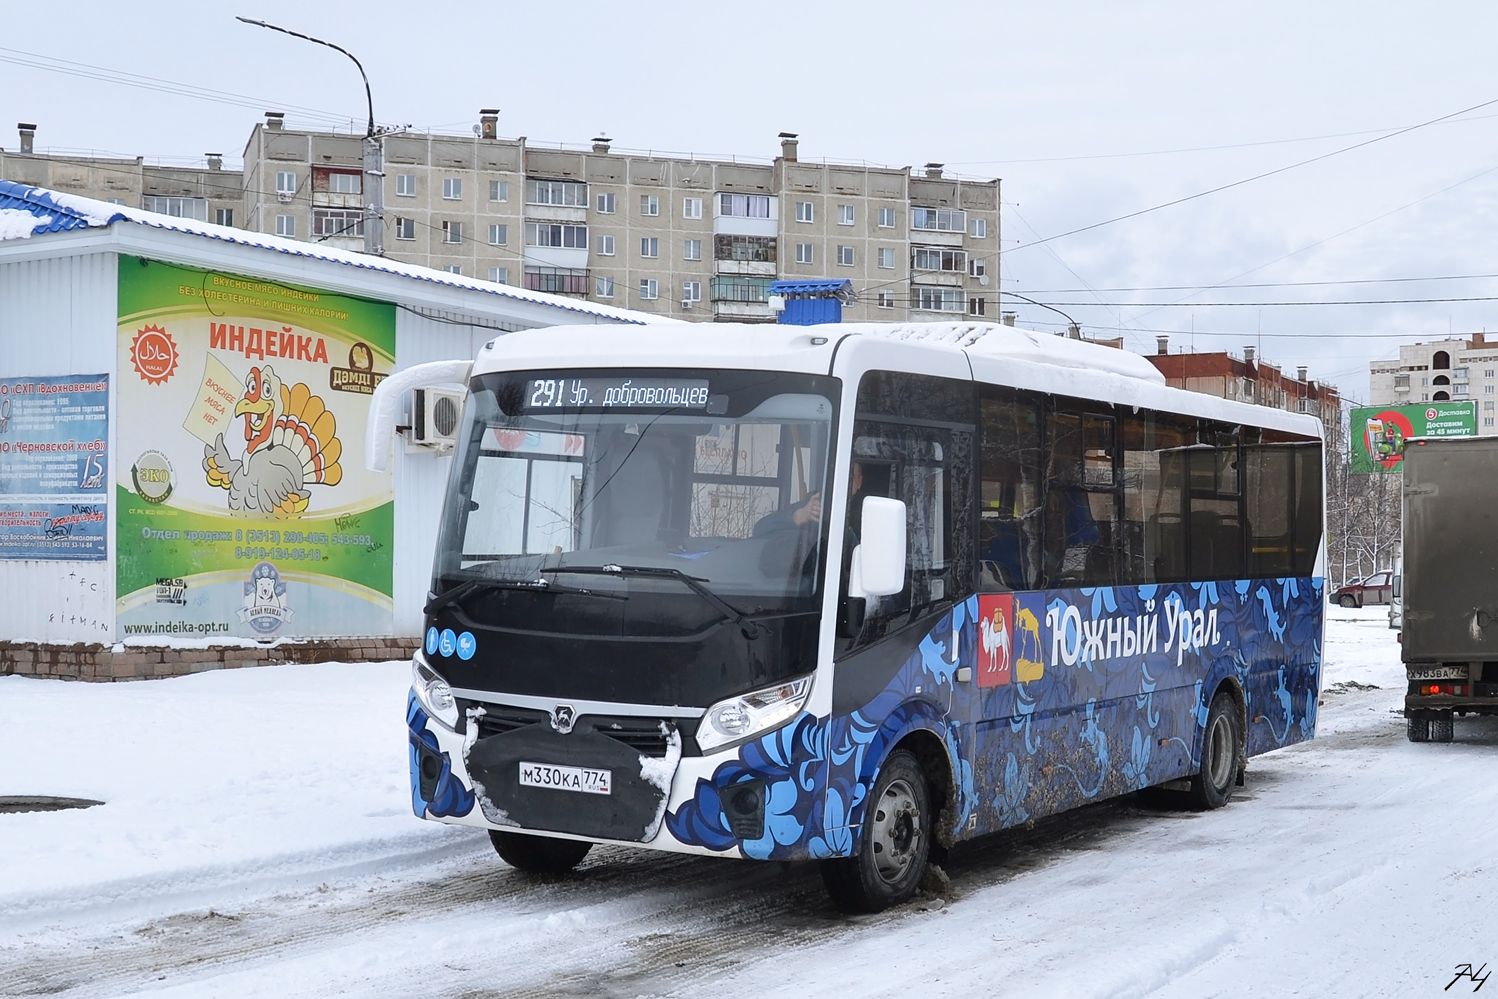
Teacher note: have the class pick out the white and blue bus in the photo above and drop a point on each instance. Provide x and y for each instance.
(851, 593)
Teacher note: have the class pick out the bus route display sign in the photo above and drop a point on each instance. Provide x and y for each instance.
(1379, 433)
(238, 512)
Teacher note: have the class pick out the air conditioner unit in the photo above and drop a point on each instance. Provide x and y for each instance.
(434, 418)
(285, 197)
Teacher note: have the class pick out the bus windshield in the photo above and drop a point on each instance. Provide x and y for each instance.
(674, 498)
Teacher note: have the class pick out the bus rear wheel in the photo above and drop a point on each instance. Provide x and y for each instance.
(538, 854)
(1222, 750)
(895, 845)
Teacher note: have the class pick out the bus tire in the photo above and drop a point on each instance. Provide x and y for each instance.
(1349, 601)
(1417, 726)
(895, 844)
(1222, 749)
(1441, 726)
(538, 854)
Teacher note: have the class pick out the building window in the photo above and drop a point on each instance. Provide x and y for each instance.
(338, 223)
(1487, 421)
(453, 268)
(569, 193)
(650, 246)
(691, 208)
(886, 218)
(452, 232)
(757, 249)
(341, 182)
(286, 225)
(934, 258)
(606, 246)
(844, 214)
(405, 185)
(557, 280)
(649, 289)
(979, 229)
(285, 182)
(181, 208)
(845, 256)
(1487, 390)
(691, 291)
(606, 206)
(650, 204)
(224, 216)
(691, 249)
(886, 300)
(405, 228)
(977, 267)
(1488, 405)
(499, 190)
(1488, 373)
(499, 234)
(977, 306)
(939, 299)
(803, 253)
(887, 257)
(804, 212)
(745, 206)
(572, 237)
(938, 219)
(741, 289)
(452, 188)
(603, 287)
(499, 275)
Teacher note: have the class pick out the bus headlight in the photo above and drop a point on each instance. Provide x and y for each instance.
(432, 691)
(741, 718)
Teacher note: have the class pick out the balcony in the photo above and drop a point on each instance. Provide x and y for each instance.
(557, 280)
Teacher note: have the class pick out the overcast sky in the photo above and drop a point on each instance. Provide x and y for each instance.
(1086, 110)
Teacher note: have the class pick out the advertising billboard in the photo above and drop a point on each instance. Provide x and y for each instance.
(1379, 432)
(238, 402)
(54, 453)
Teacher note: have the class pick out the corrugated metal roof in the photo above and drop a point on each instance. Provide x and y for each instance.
(818, 287)
(58, 212)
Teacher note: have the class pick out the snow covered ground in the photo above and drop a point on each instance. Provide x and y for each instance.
(257, 841)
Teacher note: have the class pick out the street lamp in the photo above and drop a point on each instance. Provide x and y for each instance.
(374, 150)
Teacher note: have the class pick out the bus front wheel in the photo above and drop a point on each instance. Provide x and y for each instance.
(896, 842)
(1222, 748)
(538, 854)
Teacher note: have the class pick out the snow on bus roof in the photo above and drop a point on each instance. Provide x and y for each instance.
(26, 211)
(998, 340)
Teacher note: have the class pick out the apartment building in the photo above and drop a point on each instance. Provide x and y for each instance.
(691, 238)
(1454, 368)
(1248, 379)
(208, 193)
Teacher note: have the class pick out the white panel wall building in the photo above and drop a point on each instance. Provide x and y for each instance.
(59, 316)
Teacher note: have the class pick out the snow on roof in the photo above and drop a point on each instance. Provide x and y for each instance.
(26, 211)
(996, 340)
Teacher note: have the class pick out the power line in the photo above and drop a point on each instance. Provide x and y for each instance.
(1267, 284)
(1265, 305)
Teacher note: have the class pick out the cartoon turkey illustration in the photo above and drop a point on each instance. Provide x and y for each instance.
(290, 443)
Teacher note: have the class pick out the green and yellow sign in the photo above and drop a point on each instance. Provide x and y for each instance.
(1379, 432)
(238, 401)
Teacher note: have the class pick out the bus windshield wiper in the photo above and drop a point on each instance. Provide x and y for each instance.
(693, 583)
(463, 589)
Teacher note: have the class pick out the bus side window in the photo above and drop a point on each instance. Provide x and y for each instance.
(1081, 497)
(1153, 542)
(1283, 505)
(1010, 487)
(929, 468)
(1216, 550)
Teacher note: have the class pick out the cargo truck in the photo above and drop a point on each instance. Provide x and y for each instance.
(1449, 583)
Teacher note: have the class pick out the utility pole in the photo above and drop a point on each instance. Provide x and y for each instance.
(374, 150)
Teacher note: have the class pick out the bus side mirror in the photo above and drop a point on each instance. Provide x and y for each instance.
(878, 563)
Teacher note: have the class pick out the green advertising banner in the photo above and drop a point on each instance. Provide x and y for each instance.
(1379, 432)
(238, 402)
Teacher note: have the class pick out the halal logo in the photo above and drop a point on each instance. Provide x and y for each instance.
(154, 354)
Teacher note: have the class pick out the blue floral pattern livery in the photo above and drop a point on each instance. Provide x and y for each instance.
(1110, 693)
(448, 795)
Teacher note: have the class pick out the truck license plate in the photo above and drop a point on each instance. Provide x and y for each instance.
(583, 779)
(1438, 673)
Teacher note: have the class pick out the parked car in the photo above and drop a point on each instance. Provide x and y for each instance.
(1376, 589)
